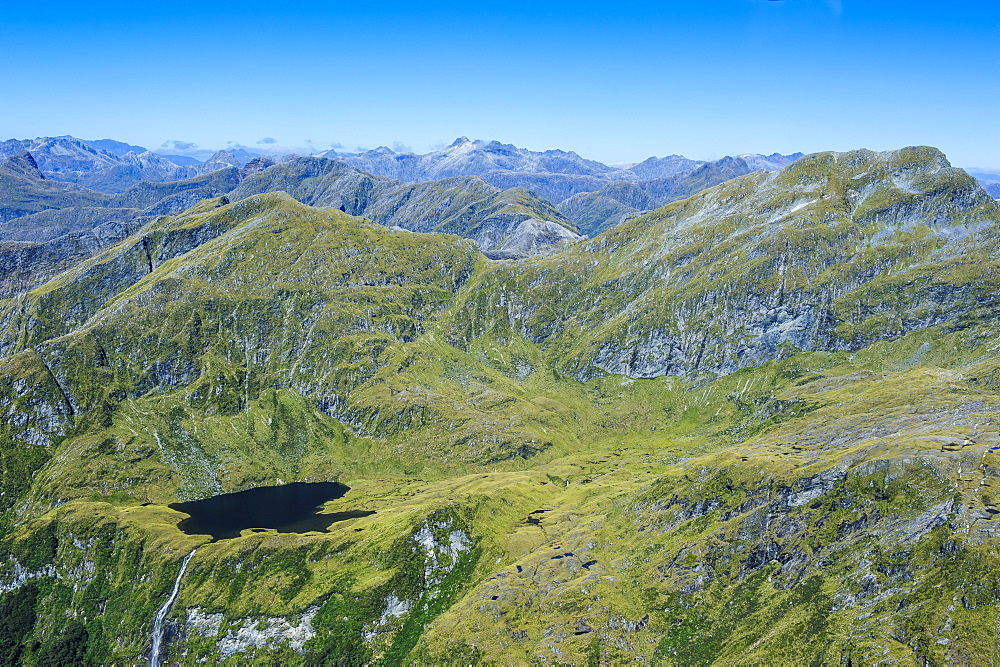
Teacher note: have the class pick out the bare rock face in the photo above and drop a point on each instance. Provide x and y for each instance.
(25, 163)
(532, 237)
(255, 165)
(763, 266)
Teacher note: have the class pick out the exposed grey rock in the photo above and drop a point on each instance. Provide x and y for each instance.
(470, 158)
(249, 633)
(529, 237)
(17, 575)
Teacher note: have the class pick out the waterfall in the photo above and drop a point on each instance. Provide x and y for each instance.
(154, 653)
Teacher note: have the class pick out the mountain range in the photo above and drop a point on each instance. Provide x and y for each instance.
(709, 413)
(96, 192)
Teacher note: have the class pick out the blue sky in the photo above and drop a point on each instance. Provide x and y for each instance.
(614, 81)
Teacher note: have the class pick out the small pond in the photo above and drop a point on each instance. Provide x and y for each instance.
(290, 508)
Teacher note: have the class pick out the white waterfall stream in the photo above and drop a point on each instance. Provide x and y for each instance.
(161, 615)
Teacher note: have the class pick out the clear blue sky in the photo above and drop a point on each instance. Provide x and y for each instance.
(614, 81)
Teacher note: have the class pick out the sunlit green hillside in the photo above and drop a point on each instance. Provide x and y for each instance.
(758, 425)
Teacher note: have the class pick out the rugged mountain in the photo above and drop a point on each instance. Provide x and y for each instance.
(661, 167)
(560, 189)
(36, 246)
(554, 188)
(757, 425)
(55, 222)
(470, 158)
(180, 160)
(137, 168)
(52, 241)
(879, 227)
(24, 189)
(167, 198)
(506, 223)
(595, 212)
(772, 162)
(677, 165)
(233, 157)
(553, 174)
(118, 148)
(62, 158)
(111, 171)
(595, 196)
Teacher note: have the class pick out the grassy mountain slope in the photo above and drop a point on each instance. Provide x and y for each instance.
(73, 224)
(835, 252)
(756, 425)
(598, 211)
(23, 190)
(466, 206)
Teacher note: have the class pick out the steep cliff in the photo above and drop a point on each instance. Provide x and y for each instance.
(756, 425)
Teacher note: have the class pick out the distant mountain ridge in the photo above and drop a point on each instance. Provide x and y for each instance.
(463, 205)
(616, 202)
(48, 224)
(487, 159)
(110, 166)
(558, 176)
(989, 180)
(757, 425)
(470, 158)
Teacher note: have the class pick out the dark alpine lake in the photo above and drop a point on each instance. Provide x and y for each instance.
(290, 508)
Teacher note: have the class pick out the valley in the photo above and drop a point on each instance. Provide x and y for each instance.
(747, 414)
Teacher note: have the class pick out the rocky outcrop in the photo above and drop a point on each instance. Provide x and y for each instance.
(529, 237)
(752, 271)
(233, 637)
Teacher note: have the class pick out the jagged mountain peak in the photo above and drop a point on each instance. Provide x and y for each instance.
(892, 168)
(23, 163)
(114, 147)
(224, 157)
(62, 154)
(491, 160)
(256, 165)
(146, 158)
(771, 162)
(232, 157)
(727, 161)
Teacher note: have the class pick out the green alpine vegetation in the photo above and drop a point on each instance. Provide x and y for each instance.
(512, 222)
(600, 210)
(24, 190)
(49, 226)
(756, 425)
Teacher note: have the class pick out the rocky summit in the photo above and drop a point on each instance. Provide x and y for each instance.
(754, 421)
